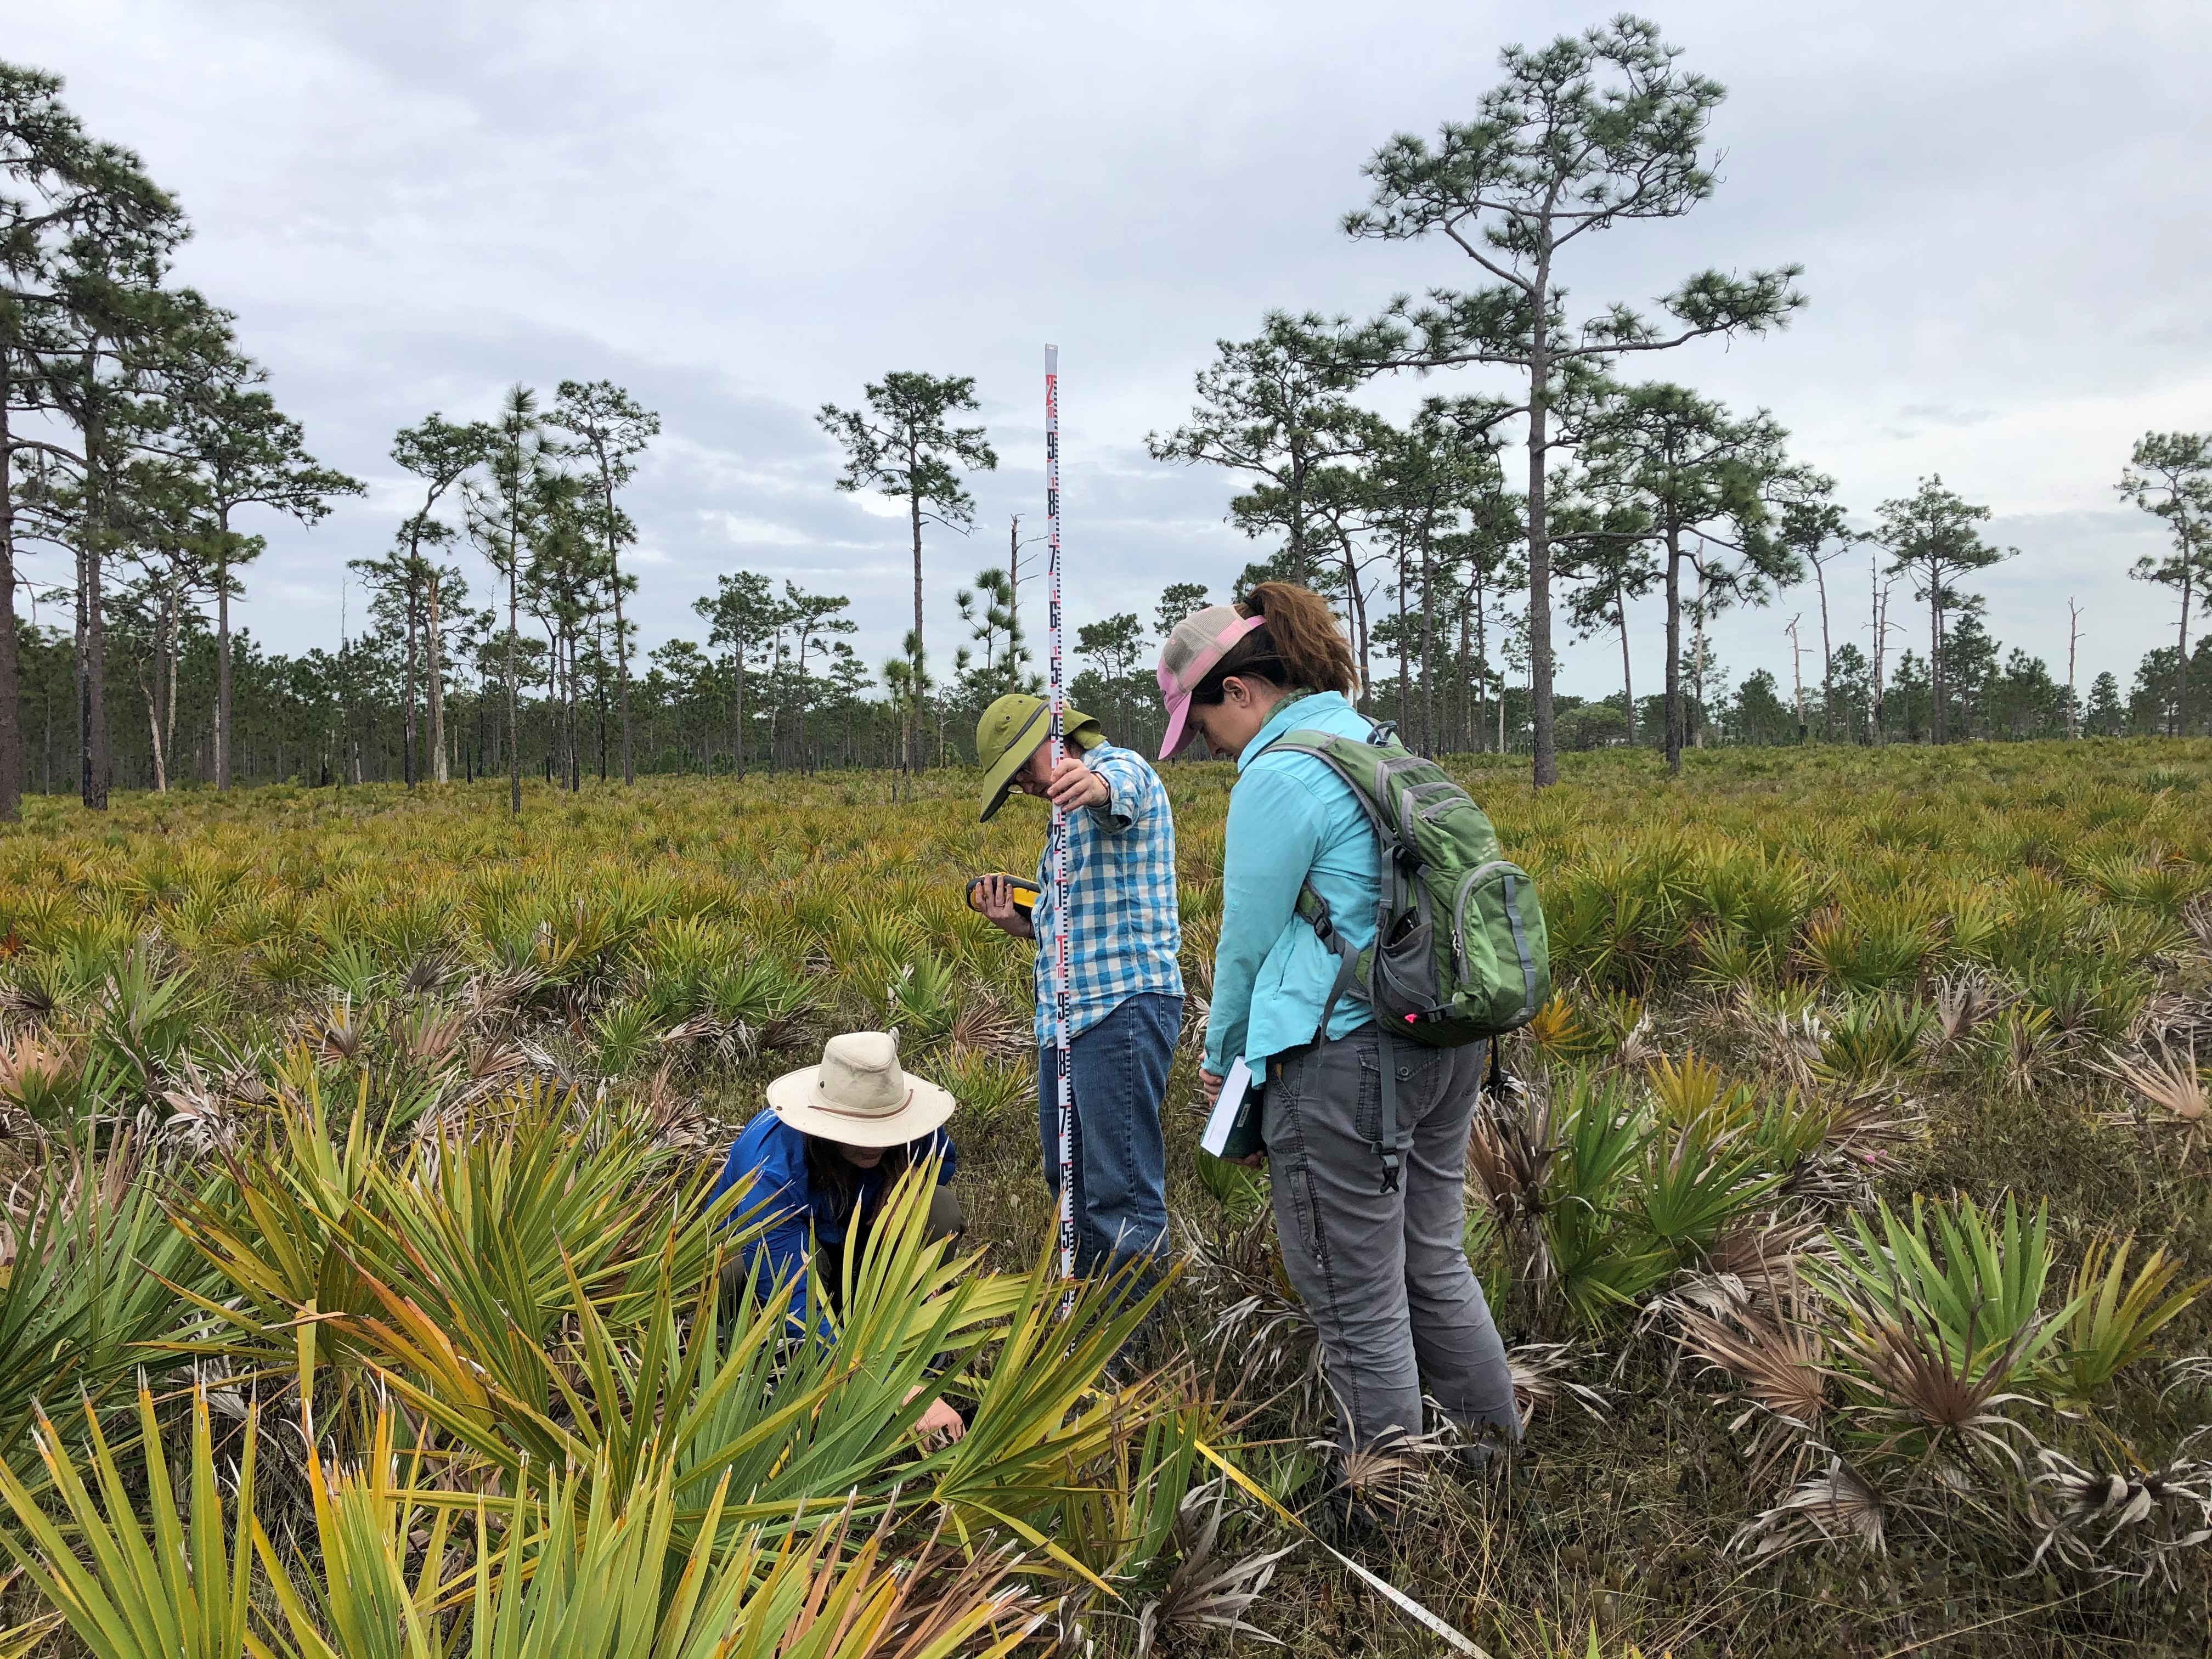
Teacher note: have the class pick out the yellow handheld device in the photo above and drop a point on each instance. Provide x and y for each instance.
(1024, 893)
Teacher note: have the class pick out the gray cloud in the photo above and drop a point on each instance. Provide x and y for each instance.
(740, 211)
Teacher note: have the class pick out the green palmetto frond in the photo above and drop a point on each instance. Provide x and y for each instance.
(93, 1285)
(1972, 1279)
(1941, 1325)
(1693, 1187)
(504, 1224)
(171, 1586)
(588, 1569)
(718, 1390)
(2113, 1320)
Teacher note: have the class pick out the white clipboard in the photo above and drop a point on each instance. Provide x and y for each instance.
(1223, 1118)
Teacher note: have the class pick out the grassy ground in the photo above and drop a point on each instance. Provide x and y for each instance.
(1801, 984)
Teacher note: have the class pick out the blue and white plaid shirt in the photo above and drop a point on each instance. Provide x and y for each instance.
(1122, 894)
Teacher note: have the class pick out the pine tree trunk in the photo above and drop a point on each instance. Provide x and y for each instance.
(1464, 728)
(1699, 657)
(150, 690)
(1627, 683)
(1544, 768)
(1428, 648)
(92, 692)
(1935, 721)
(1482, 670)
(1874, 709)
(737, 712)
(2181, 649)
(170, 606)
(1405, 681)
(1827, 669)
(622, 639)
(434, 673)
(407, 695)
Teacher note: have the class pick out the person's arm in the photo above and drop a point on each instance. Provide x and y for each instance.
(1124, 776)
(779, 1255)
(1273, 838)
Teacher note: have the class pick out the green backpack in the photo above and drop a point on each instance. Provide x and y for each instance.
(1459, 953)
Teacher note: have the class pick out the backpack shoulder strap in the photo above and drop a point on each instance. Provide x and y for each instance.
(1327, 747)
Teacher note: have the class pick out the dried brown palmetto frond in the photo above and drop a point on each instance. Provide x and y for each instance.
(1963, 1001)
(2191, 1372)
(430, 1036)
(1777, 1358)
(1540, 1381)
(427, 973)
(1263, 1327)
(30, 998)
(676, 1118)
(1787, 1031)
(1202, 1593)
(2123, 1525)
(1837, 1507)
(493, 997)
(1860, 1139)
(982, 1026)
(1384, 1482)
(1639, 1044)
(199, 1120)
(337, 1034)
(1509, 1150)
(2167, 1018)
(1763, 1257)
(2170, 1083)
(2196, 917)
(1915, 1392)
(2028, 1043)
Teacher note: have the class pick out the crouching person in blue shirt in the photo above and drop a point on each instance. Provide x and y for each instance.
(1125, 986)
(834, 1140)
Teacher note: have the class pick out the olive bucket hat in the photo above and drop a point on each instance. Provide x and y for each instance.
(1009, 733)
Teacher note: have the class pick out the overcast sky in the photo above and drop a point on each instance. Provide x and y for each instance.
(740, 210)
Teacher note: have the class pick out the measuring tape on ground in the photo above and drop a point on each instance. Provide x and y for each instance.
(1383, 1586)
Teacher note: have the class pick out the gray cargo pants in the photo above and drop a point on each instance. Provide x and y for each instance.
(1385, 1275)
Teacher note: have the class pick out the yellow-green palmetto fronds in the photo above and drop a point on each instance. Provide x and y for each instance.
(724, 1383)
(588, 1568)
(94, 1283)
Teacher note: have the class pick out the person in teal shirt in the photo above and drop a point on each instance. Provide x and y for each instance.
(1380, 1265)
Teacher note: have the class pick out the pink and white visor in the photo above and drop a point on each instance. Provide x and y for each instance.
(1194, 647)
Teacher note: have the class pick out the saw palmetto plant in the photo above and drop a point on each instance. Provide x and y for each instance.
(386, 1120)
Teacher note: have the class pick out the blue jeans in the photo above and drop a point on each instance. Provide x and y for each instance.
(1121, 1074)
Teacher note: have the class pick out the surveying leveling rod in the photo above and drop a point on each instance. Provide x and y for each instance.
(1060, 918)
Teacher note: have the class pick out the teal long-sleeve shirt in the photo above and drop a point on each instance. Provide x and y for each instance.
(1291, 820)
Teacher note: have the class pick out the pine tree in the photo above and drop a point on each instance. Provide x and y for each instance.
(1589, 133)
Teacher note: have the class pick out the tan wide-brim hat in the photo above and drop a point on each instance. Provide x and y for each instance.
(859, 1095)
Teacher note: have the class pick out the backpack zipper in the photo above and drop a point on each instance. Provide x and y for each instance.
(1459, 907)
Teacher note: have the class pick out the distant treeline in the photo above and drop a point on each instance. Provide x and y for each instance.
(330, 717)
(139, 450)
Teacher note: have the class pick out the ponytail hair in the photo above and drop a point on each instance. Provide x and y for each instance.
(1299, 647)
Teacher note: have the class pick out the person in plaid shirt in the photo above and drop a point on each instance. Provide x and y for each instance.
(1125, 983)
